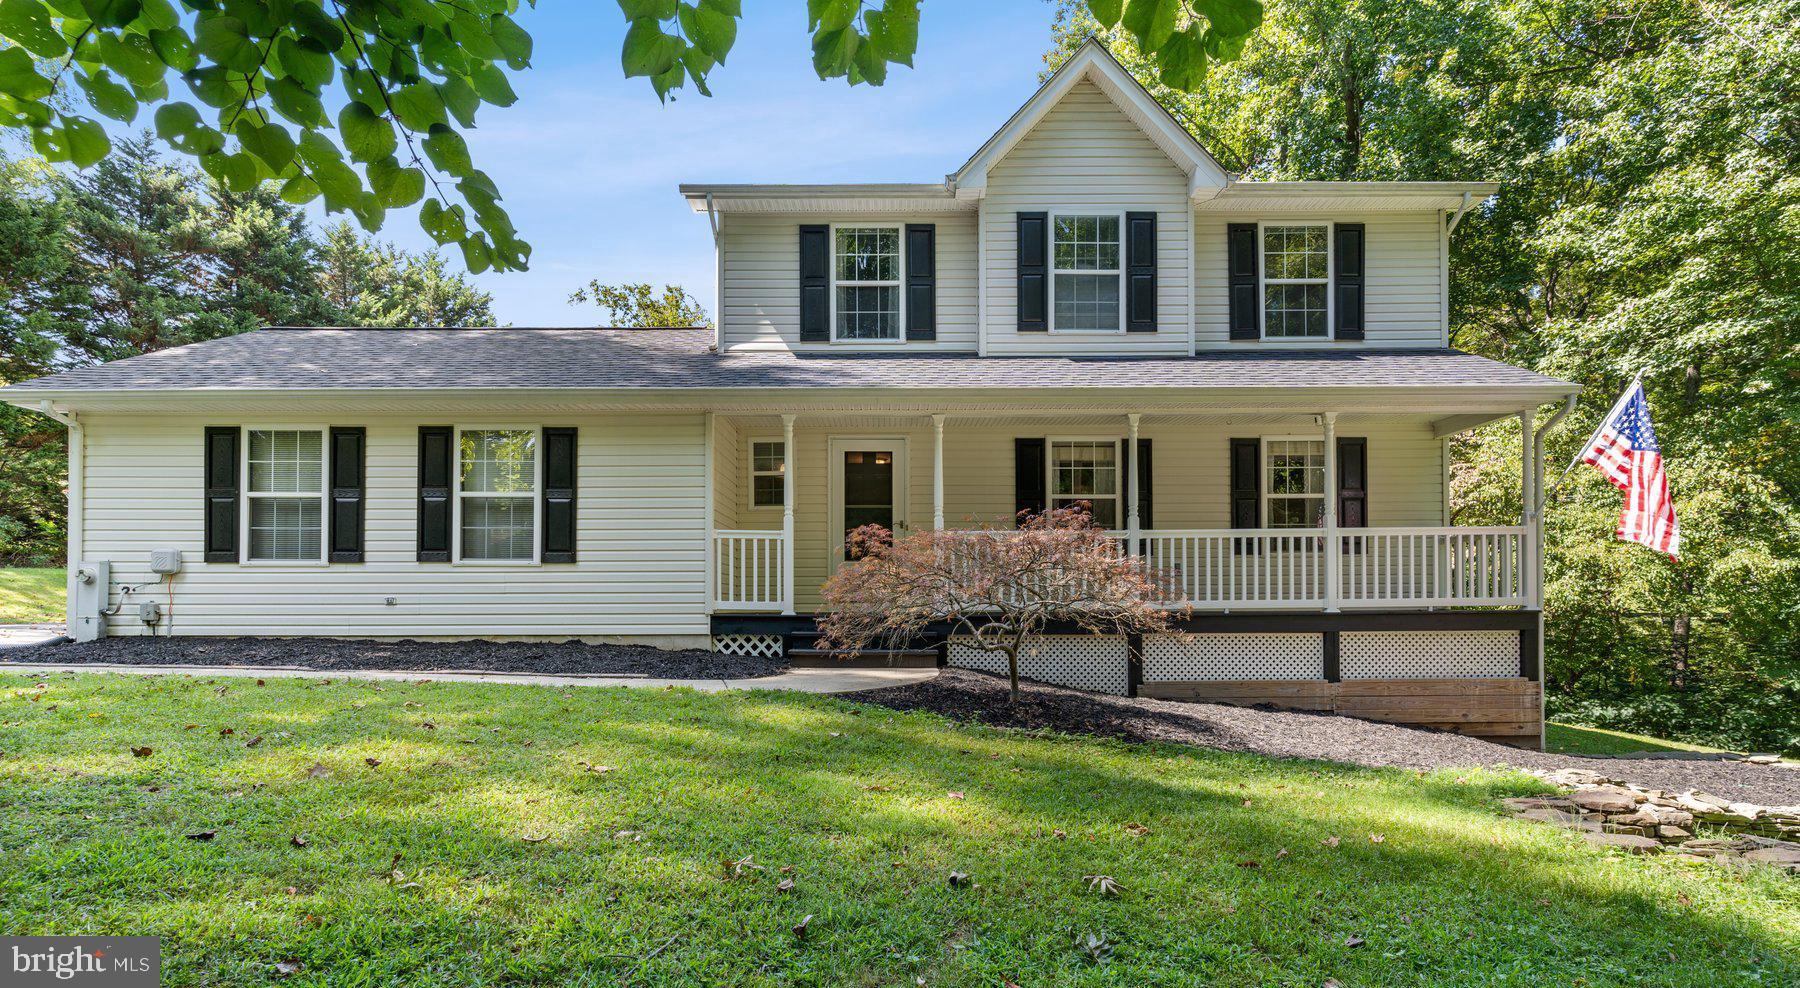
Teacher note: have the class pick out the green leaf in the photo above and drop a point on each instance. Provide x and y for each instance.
(108, 97)
(270, 143)
(158, 15)
(823, 16)
(476, 254)
(900, 25)
(297, 103)
(27, 23)
(338, 183)
(1231, 19)
(490, 83)
(514, 43)
(663, 82)
(174, 48)
(834, 51)
(419, 106)
(23, 113)
(306, 65)
(152, 94)
(226, 41)
(1106, 11)
(1182, 62)
(439, 50)
(132, 56)
(316, 26)
(215, 86)
(1151, 21)
(236, 172)
(299, 190)
(366, 135)
(709, 28)
(460, 100)
(445, 225)
(396, 187)
(111, 13)
(19, 76)
(85, 140)
(471, 32)
(661, 10)
(698, 63)
(448, 151)
(647, 50)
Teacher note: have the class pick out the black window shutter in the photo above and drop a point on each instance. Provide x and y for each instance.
(1242, 265)
(1246, 485)
(1347, 282)
(559, 495)
(1140, 272)
(222, 493)
(1028, 477)
(348, 492)
(921, 281)
(815, 283)
(1145, 518)
(436, 463)
(1034, 273)
(1353, 482)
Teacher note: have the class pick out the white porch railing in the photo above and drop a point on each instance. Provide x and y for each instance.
(748, 571)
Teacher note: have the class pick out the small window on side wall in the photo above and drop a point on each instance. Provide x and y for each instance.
(768, 473)
(1295, 483)
(1085, 259)
(1085, 470)
(866, 275)
(284, 495)
(497, 495)
(1296, 275)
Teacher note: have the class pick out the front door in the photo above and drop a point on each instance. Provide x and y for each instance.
(868, 484)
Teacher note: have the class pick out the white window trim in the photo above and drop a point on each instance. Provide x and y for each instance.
(1118, 496)
(898, 284)
(245, 496)
(537, 497)
(1263, 281)
(751, 473)
(1265, 495)
(1119, 272)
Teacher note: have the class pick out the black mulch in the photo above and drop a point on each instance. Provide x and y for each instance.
(965, 695)
(547, 658)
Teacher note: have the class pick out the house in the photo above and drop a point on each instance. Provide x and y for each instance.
(1251, 382)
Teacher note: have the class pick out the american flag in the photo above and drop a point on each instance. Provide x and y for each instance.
(1625, 451)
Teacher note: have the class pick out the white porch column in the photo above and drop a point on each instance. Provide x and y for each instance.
(1528, 466)
(1131, 485)
(1333, 555)
(937, 472)
(789, 457)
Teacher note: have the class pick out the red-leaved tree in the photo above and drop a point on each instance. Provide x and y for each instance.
(998, 589)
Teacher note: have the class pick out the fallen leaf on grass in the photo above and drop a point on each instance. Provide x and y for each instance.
(800, 927)
(189, 727)
(261, 683)
(955, 795)
(1354, 941)
(1378, 838)
(1103, 884)
(1281, 854)
(225, 731)
(372, 762)
(878, 788)
(318, 771)
(1134, 829)
(1246, 804)
(287, 967)
(1331, 842)
(298, 841)
(1059, 835)
(429, 726)
(786, 885)
(529, 839)
(745, 865)
(203, 835)
(959, 880)
(253, 742)
(144, 752)
(1249, 864)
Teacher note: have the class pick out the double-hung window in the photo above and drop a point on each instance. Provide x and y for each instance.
(497, 494)
(285, 494)
(1296, 482)
(1086, 470)
(1085, 257)
(768, 473)
(1296, 274)
(866, 273)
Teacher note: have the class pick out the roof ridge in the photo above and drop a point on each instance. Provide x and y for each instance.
(474, 329)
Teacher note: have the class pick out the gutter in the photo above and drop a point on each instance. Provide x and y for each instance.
(712, 219)
(1467, 201)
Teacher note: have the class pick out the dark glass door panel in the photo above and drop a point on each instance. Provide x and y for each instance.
(868, 490)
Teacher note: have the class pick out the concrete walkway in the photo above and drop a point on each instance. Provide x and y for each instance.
(798, 680)
(21, 635)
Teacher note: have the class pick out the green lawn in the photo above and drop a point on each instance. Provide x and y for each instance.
(31, 595)
(482, 850)
(1568, 739)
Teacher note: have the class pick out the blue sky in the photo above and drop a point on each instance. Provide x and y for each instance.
(589, 160)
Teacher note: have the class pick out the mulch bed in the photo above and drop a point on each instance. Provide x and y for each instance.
(546, 658)
(965, 695)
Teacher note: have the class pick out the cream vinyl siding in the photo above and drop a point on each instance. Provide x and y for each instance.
(1085, 156)
(1190, 486)
(641, 540)
(1403, 280)
(761, 306)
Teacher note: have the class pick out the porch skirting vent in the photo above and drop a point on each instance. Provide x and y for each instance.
(759, 645)
(1429, 654)
(1233, 657)
(1083, 662)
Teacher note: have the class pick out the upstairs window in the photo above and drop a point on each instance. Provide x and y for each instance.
(286, 495)
(1296, 272)
(865, 266)
(1085, 269)
(768, 473)
(1086, 470)
(1296, 486)
(496, 495)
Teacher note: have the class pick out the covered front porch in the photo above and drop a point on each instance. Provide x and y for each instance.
(1240, 509)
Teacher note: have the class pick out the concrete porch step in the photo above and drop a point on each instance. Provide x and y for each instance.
(819, 658)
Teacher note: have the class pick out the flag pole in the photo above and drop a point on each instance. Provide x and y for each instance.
(1635, 381)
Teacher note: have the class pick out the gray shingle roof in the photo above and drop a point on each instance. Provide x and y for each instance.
(312, 359)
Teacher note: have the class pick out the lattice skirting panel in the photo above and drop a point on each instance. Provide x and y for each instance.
(1428, 654)
(1235, 656)
(762, 645)
(1083, 662)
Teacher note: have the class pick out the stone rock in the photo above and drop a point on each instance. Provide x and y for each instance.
(1629, 843)
(1699, 802)
(1749, 811)
(1762, 759)
(1606, 799)
(1578, 777)
(1521, 804)
(1643, 816)
(1560, 818)
(1669, 832)
(1624, 828)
